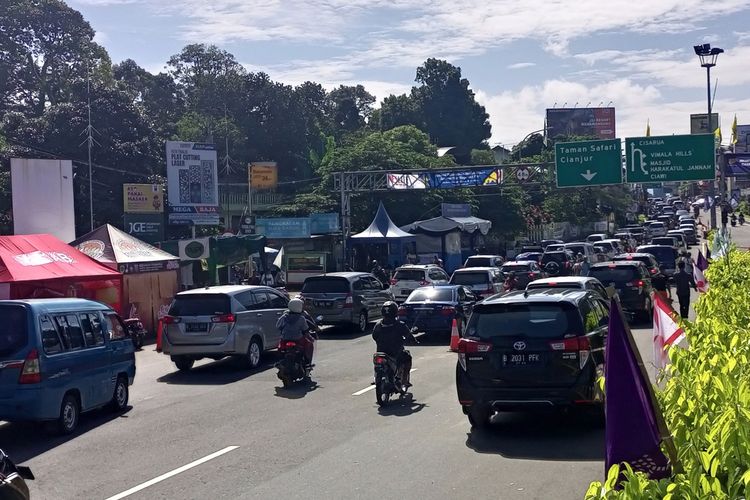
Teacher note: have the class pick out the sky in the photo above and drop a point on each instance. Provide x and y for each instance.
(519, 56)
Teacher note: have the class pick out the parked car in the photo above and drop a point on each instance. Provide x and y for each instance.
(593, 238)
(432, 309)
(570, 283)
(62, 357)
(585, 249)
(682, 243)
(482, 281)
(346, 298)
(484, 261)
(649, 260)
(666, 256)
(532, 350)
(632, 280)
(525, 270)
(408, 278)
(558, 263)
(219, 321)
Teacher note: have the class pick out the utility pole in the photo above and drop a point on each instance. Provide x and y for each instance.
(89, 131)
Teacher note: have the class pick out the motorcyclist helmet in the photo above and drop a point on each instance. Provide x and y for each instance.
(389, 310)
(296, 306)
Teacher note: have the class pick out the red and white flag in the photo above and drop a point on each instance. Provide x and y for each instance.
(667, 330)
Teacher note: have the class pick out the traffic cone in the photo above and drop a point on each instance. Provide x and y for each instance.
(158, 336)
(454, 336)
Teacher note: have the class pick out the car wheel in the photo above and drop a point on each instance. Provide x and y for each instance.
(361, 325)
(479, 416)
(70, 411)
(121, 395)
(254, 353)
(183, 363)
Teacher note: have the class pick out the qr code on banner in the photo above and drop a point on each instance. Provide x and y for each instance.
(207, 182)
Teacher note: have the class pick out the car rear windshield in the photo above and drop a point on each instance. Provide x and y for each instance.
(657, 225)
(662, 254)
(326, 285)
(559, 257)
(14, 332)
(617, 275)
(605, 245)
(409, 275)
(663, 241)
(637, 258)
(576, 249)
(431, 294)
(470, 278)
(516, 268)
(529, 320)
(478, 262)
(555, 286)
(204, 304)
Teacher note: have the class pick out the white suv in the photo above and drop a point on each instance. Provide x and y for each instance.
(408, 278)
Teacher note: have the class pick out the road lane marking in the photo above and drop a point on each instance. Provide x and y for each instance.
(371, 387)
(174, 472)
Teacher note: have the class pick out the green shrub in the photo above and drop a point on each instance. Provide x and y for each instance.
(705, 398)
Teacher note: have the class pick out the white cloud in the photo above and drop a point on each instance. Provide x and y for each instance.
(521, 65)
(101, 38)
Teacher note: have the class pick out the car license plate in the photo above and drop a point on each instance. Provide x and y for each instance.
(521, 359)
(322, 303)
(196, 327)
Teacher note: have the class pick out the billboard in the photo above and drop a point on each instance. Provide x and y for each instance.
(42, 192)
(283, 227)
(584, 122)
(145, 227)
(263, 175)
(142, 198)
(738, 164)
(743, 139)
(699, 123)
(193, 183)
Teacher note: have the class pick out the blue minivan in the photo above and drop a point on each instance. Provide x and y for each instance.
(62, 357)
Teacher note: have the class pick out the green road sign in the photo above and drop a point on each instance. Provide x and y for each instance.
(670, 158)
(588, 163)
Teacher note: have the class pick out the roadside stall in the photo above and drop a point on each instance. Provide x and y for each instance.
(150, 275)
(382, 241)
(41, 266)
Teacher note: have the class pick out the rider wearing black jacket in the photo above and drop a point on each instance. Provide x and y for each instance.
(390, 335)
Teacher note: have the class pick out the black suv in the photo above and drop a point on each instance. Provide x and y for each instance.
(558, 263)
(632, 280)
(532, 350)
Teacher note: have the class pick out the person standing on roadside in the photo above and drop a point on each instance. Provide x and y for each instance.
(577, 265)
(683, 283)
(661, 287)
(585, 266)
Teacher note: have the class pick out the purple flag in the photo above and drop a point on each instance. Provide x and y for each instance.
(632, 431)
(701, 262)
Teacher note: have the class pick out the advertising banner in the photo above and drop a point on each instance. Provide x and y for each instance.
(145, 227)
(142, 198)
(263, 175)
(743, 139)
(738, 164)
(324, 223)
(42, 192)
(193, 183)
(584, 122)
(471, 177)
(699, 123)
(284, 227)
(455, 209)
(194, 249)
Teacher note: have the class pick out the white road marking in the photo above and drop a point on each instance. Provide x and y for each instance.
(174, 472)
(371, 387)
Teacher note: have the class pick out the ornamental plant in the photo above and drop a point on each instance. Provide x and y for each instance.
(705, 398)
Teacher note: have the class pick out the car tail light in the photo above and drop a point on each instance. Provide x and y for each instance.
(580, 344)
(469, 346)
(349, 301)
(448, 310)
(31, 372)
(402, 311)
(394, 281)
(638, 283)
(378, 360)
(223, 318)
(170, 320)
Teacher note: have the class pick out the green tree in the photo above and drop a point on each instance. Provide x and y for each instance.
(399, 110)
(350, 107)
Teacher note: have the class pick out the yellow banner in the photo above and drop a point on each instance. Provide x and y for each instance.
(263, 175)
(143, 198)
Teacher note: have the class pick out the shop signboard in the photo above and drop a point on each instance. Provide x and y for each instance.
(193, 184)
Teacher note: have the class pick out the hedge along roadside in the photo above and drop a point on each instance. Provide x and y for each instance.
(705, 397)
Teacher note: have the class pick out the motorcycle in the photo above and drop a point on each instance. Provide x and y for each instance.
(742, 220)
(136, 330)
(387, 379)
(13, 479)
(734, 220)
(293, 366)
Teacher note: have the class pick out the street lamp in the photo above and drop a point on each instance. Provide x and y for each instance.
(708, 57)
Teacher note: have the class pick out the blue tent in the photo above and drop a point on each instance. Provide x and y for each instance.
(383, 238)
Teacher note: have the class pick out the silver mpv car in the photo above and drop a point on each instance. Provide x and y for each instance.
(220, 321)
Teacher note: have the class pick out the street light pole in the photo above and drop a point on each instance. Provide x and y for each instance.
(708, 56)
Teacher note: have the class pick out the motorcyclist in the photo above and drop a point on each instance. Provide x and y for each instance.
(734, 220)
(379, 272)
(294, 325)
(389, 335)
(741, 218)
(511, 282)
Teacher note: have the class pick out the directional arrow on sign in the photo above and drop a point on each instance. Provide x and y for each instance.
(589, 175)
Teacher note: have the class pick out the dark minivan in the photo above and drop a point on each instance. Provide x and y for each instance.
(532, 350)
(632, 280)
(665, 255)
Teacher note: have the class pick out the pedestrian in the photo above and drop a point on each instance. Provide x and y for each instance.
(683, 283)
(585, 267)
(661, 287)
(577, 265)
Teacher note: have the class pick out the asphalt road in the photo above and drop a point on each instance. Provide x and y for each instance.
(223, 432)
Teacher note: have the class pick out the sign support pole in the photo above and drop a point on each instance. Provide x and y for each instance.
(712, 184)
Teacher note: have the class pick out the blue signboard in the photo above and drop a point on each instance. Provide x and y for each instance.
(324, 223)
(456, 209)
(738, 164)
(285, 227)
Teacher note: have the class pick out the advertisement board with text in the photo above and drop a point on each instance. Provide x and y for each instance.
(145, 227)
(142, 198)
(699, 123)
(581, 122)
(193, 184)
(263, 175)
